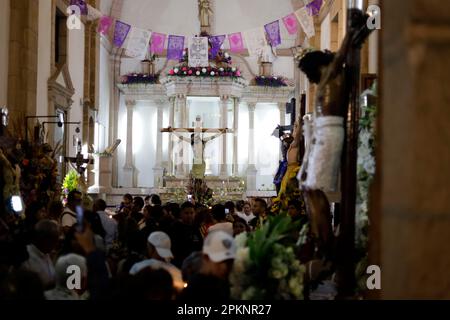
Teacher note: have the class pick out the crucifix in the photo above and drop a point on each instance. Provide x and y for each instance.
(198, 143)
(79, 161)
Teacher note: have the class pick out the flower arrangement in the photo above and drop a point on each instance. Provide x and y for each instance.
(265, 266)
(70, 183)
(220, 58)
(201, 193)
(133, 78)
(275, 82)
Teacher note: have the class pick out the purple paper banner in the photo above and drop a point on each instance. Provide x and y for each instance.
(216, 42)
(314, 7)
(80, 4)
(175, 47)
(157, 43)
(273, 33)
(120, 33)
(291, 23)
(104, 24)
(236, 42)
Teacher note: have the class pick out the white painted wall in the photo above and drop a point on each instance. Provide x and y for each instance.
(325, 33)
(4, 50)
(75, 48)
(44, 56)
(267, 147)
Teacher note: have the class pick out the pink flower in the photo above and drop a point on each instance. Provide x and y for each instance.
(238, 73)
(171, 72)
(190, 72)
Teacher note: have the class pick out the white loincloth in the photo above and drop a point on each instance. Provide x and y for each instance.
(324, 154)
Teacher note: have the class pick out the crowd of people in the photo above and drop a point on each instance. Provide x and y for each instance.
(141, 249)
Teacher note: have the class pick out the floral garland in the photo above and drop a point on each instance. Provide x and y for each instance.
(134, 78)
(184, 71)
(365, 176)
(222, 68)
(265, 267)
(275, 82)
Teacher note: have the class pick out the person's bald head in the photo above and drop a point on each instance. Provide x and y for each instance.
(46, 235)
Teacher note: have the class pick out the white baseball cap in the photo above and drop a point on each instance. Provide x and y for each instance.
(161, 242)
(219, 246)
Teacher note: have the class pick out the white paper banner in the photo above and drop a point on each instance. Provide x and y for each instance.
(306, 21)
(255, 40)
(138, 42)
(198, 52)
(93, 13)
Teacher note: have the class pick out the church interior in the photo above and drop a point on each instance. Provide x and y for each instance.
(245, 150)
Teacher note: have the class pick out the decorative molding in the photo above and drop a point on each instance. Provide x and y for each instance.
(194, 86)
(257, 94)
(147, 92)
(58, 94)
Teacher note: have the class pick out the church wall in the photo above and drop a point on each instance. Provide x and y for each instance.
(4, 50)
(325, 34)
(144, 143)
(267, 147)
(44, 56)
(76, 68)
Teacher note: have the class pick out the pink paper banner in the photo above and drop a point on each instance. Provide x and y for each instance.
(104, 24)
(291, 23)
(158, 41)
(236, 42)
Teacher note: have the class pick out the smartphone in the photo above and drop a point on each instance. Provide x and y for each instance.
(80, 219)
(227, 211)
(189, 197)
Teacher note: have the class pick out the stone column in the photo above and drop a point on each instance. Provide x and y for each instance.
(158, 170)
(171, 137)
(251, 169)
(235, 136)
(128, 169)
(409, 209)
(180, 119)
(224, 124)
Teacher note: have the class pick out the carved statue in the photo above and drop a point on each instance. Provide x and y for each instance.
(204, 10)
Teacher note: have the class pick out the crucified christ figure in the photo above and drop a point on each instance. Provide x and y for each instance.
(198, 144)
(321, 163)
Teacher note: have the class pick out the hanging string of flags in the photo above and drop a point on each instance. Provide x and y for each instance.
(137, 42)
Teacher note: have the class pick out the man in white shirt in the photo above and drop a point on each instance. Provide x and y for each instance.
(219, 215)
(61, 291)
(159, 253)
(110, 225)
(69, 216)
(46, 237)
(247, 215)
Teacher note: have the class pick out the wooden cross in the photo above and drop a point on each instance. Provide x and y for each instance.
(79, 160)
